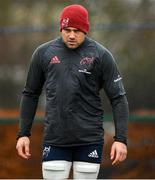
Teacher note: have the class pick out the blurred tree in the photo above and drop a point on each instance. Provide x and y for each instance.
(5, 12)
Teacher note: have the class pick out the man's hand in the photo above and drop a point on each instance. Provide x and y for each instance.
(118, 152)
(23, 147)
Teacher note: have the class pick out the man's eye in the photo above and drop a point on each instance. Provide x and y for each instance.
(67, 30)
(77, 31)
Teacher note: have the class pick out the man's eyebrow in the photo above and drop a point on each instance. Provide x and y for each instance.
(71, 29)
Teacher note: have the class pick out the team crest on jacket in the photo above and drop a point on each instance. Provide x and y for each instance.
(87, 60)
(55, 60)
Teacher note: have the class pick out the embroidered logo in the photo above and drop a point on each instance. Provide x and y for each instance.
(54, 60)
(65, 22)
(93, 154)
(86, 60)
(118, 78)
(84, 71)
(46, 151)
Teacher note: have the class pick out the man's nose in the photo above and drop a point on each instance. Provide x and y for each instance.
(72, 35)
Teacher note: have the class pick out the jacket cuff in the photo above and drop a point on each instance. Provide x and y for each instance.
(121, 139)
(22, 135)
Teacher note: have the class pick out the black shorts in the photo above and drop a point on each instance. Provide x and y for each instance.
(88, 153)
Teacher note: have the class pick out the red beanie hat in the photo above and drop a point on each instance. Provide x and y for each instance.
(75, 16)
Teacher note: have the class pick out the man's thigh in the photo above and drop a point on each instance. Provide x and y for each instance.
(89, 153)
(56, 163)
(86, 161)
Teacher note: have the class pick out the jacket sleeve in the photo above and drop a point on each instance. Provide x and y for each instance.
(114, 88)
(30, 95)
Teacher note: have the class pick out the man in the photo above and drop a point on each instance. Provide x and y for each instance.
(73, 68)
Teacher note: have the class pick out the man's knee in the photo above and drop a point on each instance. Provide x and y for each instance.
(84, 170)
(56, 169)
